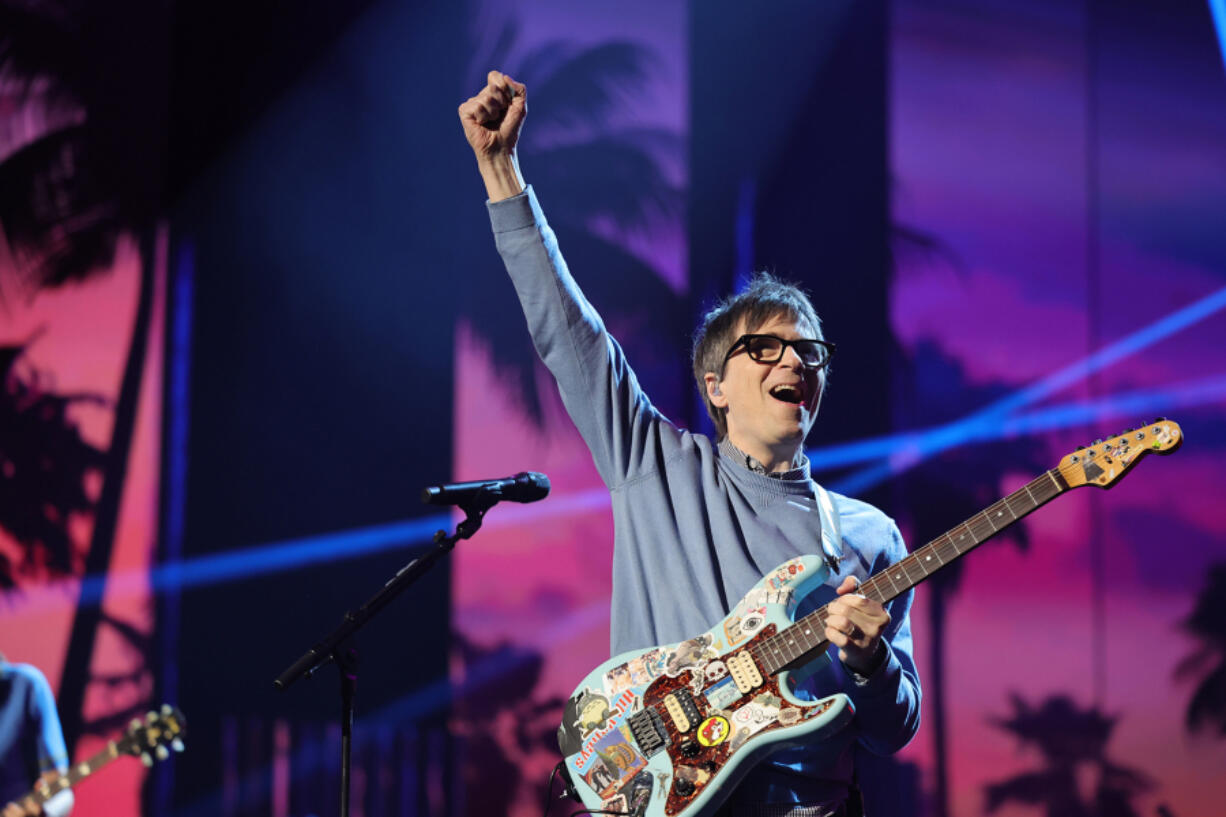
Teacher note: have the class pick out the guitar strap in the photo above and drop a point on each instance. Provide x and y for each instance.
(832, 534)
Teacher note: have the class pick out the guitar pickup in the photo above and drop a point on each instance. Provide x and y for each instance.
(647, 728)
(682, 709)
(744, 671)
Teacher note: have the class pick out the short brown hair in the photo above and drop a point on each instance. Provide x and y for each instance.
(766, 297)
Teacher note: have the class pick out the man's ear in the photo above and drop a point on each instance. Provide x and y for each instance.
(713, 393)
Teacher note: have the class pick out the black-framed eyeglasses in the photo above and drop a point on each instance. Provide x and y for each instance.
(813, 353)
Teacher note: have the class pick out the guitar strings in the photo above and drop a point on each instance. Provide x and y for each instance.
(818, 617)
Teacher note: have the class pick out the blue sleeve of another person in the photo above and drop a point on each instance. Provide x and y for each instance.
(52, 752)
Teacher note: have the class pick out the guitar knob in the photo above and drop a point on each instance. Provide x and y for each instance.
(684, 788)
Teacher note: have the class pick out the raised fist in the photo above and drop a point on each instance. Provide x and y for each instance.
(492, 119)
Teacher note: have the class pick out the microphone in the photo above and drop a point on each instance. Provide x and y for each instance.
(526, 486)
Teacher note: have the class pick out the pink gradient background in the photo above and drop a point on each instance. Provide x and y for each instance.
(991, 149)
(85, 334)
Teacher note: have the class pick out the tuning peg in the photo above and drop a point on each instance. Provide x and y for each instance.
(1159, 419)
(162, 752)
(146, 759)
(177, 745)
(136, 723)
(166, 710)
(1099, 441)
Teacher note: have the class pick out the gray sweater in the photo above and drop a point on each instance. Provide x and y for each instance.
(694, 529)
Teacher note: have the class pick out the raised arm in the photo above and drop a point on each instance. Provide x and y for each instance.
(492, 121)
(625, 434)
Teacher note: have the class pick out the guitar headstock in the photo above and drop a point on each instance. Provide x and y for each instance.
(154, 737)
(1106, 461)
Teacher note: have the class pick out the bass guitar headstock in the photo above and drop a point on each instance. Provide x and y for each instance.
(1106, 461)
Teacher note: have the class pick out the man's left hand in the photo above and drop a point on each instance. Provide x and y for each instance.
(855, 625)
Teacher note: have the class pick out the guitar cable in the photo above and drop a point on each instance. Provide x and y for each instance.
(569, 791)
(549, 787)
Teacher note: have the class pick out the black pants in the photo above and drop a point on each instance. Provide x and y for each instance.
(784, 810)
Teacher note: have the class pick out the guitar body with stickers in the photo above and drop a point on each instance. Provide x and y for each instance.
(670, 731)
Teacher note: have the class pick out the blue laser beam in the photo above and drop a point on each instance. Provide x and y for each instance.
(904, 447)
(294, 554)
(1111, 353)
(887, 456)
(1217, 8)
(1133, 404)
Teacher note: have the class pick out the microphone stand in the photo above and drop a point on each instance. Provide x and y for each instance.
(332, 647)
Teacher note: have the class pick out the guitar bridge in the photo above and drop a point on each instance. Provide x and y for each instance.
(647, 728)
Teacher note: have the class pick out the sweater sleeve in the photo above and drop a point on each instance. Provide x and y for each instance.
(888, 701)
(622, 429)
(52, 751)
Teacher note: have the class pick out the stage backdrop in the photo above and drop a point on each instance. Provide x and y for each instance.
(1009, 213)
(1058, 180)
(1051, 181)
(83, 276)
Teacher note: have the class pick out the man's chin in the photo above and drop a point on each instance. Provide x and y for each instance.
(793, 436)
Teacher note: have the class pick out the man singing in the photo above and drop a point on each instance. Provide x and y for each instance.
(698, 522)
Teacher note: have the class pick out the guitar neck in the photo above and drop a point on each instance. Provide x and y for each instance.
(47, 789)
(796, 644)
(960, 540)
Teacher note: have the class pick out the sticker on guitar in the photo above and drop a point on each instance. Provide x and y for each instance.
(690, 717)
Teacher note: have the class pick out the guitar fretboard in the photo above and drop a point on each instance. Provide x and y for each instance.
(47, 789)
(793, 646)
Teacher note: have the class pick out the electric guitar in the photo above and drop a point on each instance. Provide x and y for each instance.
(671, 730)
(147, 739)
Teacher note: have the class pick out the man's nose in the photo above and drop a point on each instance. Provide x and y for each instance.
(792, 358)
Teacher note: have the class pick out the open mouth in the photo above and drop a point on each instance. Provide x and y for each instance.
(789, 393)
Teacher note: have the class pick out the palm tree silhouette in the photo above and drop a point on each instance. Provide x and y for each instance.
(1072, 742)
(588, 171)
(79, 178)
(1207, 622)
(932, 389)
(44, 468)
(502, 683)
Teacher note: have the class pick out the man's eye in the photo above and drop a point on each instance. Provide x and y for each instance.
(765, 345)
